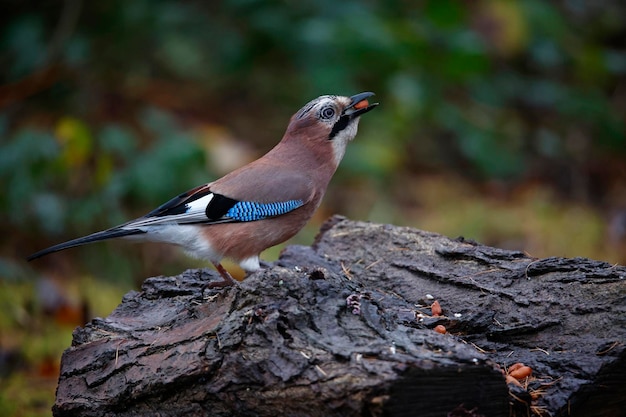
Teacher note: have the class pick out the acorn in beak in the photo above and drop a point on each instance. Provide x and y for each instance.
(359, 105)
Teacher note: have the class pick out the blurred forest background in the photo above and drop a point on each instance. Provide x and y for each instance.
(500, 121)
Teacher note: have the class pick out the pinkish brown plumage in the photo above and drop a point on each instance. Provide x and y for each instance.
(258, 205)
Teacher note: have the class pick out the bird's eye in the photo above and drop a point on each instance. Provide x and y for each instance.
(327, 112)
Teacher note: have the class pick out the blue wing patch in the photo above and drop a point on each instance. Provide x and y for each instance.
(246, 211)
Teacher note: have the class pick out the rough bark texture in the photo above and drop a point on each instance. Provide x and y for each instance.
(344, 328)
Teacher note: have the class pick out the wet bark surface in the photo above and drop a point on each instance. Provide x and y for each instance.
(345, 328)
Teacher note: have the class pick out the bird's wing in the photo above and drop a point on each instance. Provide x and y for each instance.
(201, 205)
(204, 205)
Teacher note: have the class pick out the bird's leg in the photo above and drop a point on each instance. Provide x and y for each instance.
(228, 281)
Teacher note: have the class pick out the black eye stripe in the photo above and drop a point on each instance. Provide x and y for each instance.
(340, 125)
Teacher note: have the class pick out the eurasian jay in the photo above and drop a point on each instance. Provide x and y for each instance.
(258, 205)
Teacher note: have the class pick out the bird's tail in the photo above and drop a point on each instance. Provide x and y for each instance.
(94, 237)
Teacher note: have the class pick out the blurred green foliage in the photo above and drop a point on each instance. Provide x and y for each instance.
(515, 109)
(105, 103)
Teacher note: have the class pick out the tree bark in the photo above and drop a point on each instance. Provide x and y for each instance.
(346, 328)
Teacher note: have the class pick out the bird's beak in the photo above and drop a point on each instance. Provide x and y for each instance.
(359, 105)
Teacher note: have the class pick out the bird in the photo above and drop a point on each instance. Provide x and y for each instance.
(259, 205)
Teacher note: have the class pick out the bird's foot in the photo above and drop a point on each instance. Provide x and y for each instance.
(218, 284)
(227, 279)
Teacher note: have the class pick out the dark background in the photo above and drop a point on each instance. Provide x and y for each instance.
(500, 121)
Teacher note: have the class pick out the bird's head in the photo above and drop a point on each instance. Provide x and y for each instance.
(329, 122)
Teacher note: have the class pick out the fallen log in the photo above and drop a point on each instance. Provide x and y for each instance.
(353, 326)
